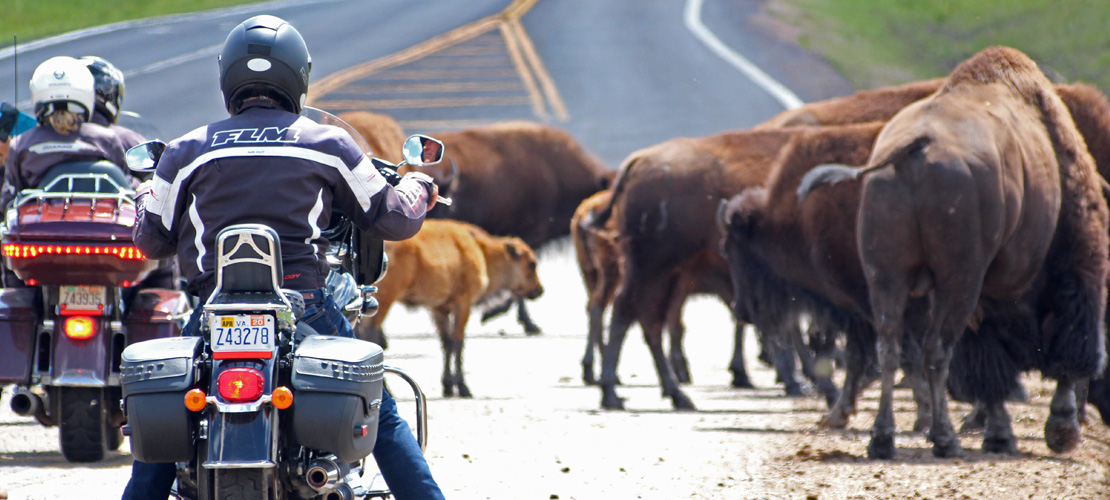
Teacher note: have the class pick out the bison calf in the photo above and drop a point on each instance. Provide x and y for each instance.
(448, 267)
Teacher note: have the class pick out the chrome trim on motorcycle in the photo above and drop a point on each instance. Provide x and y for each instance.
(421, 406)
(260, 464)
(240, 407)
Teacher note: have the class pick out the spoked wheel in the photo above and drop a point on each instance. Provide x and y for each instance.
(86, 432)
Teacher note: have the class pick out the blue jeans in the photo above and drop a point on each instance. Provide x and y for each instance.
(396, 450)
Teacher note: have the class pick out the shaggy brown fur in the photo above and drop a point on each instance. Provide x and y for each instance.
(448, 267)
(984, 171)
(516, 179)
(382, 132)
(862, 107)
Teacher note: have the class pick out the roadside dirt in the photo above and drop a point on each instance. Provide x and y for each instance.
(534, 431)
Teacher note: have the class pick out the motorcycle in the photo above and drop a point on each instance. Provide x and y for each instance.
(64, 327)
(259, 406)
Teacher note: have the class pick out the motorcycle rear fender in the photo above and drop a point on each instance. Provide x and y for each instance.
(242, 439)
(82, 362)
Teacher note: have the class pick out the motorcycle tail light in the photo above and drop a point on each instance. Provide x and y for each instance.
(30, 251)
(238, 385)
(196, 400)
(282, 398)
(80, 327)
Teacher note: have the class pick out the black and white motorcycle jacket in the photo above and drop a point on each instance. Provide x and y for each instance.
(268, 166)
(33, 152)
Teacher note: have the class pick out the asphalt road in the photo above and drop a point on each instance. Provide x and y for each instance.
(618, 74)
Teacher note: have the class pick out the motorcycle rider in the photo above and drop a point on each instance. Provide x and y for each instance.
(267, 164)
(62, 89)
(109, 86)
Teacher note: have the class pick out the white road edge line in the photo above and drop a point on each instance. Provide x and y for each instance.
(783, 95)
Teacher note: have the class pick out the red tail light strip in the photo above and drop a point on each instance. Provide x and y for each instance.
(30, 251)
(243, 355)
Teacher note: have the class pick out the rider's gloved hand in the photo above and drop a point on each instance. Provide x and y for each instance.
(388, 171)
(142, 193)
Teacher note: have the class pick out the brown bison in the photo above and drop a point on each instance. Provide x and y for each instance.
(449, 267)
(662, 207)
(599, 260)
(516, 179)
(1089, 109)
(864, 106)
(981, 192)
(384, 135)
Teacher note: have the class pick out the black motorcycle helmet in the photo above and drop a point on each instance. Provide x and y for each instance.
(109, 86)
(264, 56)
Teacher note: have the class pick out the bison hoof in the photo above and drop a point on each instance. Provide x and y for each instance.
(1061, 434)
(464, 391)
(532, 329)
(588, 376)
(610, 400)
(881, 447)
(742, 382)
(683, 402)
(974, 422)
(922, 424)
(949, 449)
(833, 420)
(999, 445)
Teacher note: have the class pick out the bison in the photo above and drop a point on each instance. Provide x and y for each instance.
(984, 193)
(1089, 109)
(449, 267)
(662, 205)
(599, 260)
(384, 135)
(516, 179)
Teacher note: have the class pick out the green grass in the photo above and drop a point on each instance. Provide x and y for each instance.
(33, 19)
(883, 42)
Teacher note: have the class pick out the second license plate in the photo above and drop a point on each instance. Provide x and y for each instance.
(83, 298)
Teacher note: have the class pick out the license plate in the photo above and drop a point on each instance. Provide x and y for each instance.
(82, 298)
(243, 333)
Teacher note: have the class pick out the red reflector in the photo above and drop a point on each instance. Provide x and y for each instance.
(26, 251)
(80, 327)
(241, 384)
(243, 355)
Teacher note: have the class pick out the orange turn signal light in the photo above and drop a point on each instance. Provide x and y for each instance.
(196, 400)
(281, 398)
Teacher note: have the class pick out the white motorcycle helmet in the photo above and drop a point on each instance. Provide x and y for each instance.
(63, 83)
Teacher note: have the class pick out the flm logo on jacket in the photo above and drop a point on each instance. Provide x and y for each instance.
(255, 135)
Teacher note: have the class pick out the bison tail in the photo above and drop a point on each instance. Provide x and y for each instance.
(825, 174)
(599, 219)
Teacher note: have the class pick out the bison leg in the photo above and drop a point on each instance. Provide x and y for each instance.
(817, 361)
(653, 336)
(610, 357)
(458, 333)
(676, 331)
(498, 309)
(1099, 395)
(975, 420)
(882, 431)
(522, 317)
(442, 321)
(998, 436)
(859, 361)
(1061, 432)
(596, 315)
(740, 377)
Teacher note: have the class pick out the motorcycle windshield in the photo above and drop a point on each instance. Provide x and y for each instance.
(324, 118)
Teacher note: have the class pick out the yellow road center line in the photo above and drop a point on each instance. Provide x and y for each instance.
(522, 68)
(471, 86)
(433, 102)
(548, 84)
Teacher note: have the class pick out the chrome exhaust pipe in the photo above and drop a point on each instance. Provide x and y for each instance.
(341, 492)
(25, 403)
(325, 474)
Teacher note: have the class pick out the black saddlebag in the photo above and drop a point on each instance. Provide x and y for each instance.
(337, 390)
(155, 375)
(18, 320)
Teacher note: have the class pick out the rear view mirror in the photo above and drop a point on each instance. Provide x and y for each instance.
(422, 150)
(144, 157)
